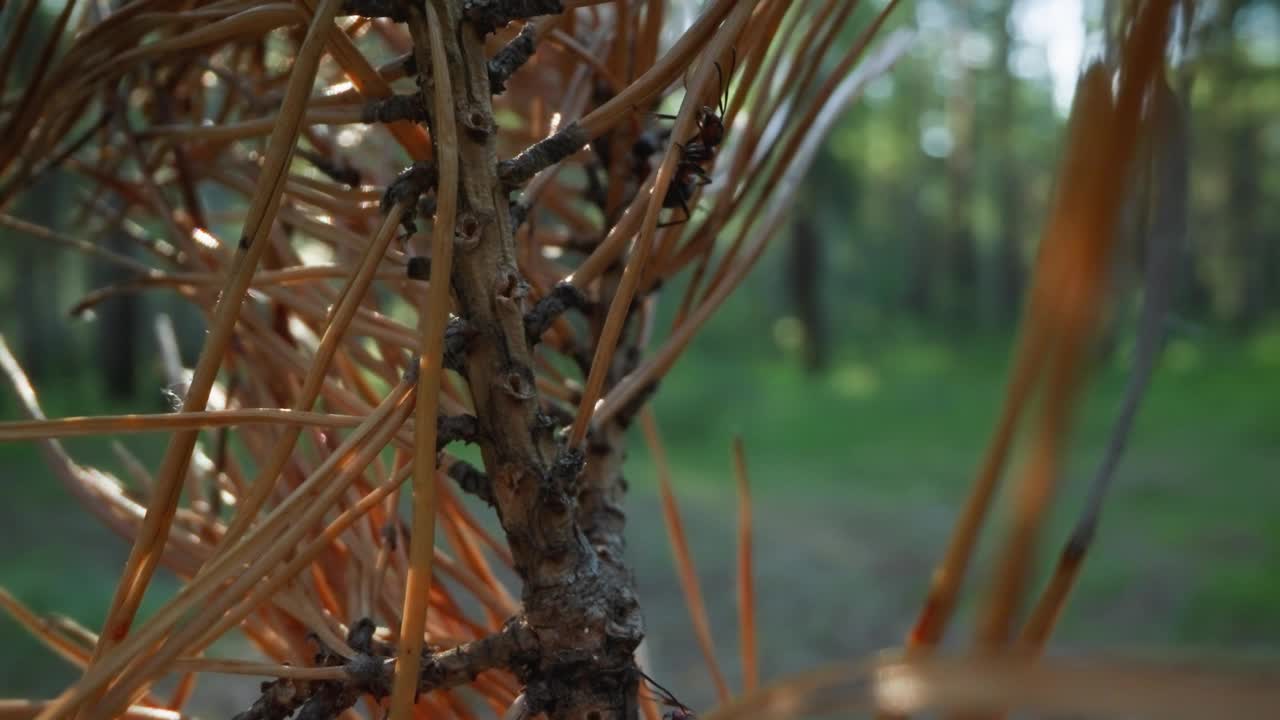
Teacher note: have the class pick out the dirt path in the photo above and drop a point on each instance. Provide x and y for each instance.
(836, 579)
(833, 582)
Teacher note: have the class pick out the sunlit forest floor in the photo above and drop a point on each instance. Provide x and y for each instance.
(857, 474)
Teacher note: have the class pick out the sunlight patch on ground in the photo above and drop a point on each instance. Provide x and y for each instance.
(855, 381)
(1265, 349)
(1182, 356)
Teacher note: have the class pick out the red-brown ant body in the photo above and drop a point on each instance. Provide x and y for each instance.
(688, 178)
(702, 146)
(697, 151)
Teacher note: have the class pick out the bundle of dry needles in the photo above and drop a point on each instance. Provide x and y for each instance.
(499, 291)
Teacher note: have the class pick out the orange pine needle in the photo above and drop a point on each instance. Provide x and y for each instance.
(607, 342)
(1051, 603)
(1085, 227)
(746, 582)
(433, 314)
(145, 554)
(680, 553)
(123, 424)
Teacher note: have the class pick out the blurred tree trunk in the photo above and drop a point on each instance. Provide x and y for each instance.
(1243, 195)
(1245, 246)
(35, 301)
(961, 257)
(1009, 265)
(911, 228)
(1193, 293)
(117, 325)
(32, 300)
(916, 239)
(804, 275)
(35, 296)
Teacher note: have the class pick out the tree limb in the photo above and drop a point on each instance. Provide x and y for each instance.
(511, 57)
(562, 297)
(472, 480)
(489, 15)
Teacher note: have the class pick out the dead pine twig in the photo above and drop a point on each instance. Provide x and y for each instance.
(746, 583)
(1166, 231)
(683, 560)
(1118, 125)
(535, 338)
(721, 42)
(145, 556)
(346, 380)
(433, 314)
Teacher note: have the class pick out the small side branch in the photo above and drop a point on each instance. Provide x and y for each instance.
(519, 213)
(566, 469)
(330, 699)
(456, 338)
(279, 699)
(407, 189)
(489, 15)
(543, 154)
(407, 106)
(456, 428)
(472, 481)
(515, 647)
(562, 297)
(410, 184)
(316, 699)
(511, 57)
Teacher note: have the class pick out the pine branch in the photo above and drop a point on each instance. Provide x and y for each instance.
(511, 58)
(489, 15)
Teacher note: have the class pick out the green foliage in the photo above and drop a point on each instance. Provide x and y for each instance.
(58, 559)
(897, 421)
(896, 431)
(893, 430)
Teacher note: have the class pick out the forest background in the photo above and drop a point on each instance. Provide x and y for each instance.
(876, 340)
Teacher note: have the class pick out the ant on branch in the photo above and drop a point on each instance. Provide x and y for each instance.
(688, 178)
(697, 151)
(702, 146)
(679, 711)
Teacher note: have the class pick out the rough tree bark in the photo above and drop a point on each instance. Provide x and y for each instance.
(579, 603)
